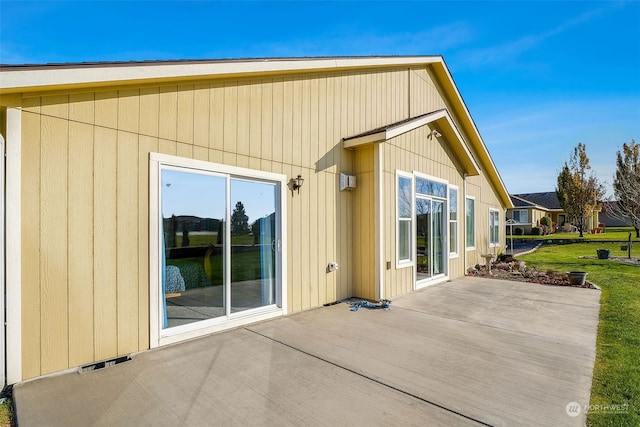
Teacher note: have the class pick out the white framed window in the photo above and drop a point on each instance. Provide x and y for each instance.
(520, 215)
(470, 222)
(453, 221)
(494, 227)
(404, 219)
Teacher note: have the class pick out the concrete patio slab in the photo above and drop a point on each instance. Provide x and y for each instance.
(469, 352)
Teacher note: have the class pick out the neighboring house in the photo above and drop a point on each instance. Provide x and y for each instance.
(529, 208)
(610, 220)
(153, 202)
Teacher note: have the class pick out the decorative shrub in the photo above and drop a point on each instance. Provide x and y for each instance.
(545, 220)
(536, 231)
(518, 231)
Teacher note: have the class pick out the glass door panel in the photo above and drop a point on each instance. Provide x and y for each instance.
(437, 225)
(423, 238)
(429, 238)
(193, 240)
(253, 244)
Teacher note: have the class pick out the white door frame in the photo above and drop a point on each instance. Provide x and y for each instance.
(160, 336)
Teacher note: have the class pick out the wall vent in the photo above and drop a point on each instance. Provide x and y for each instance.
(347, 182)
(104, 364)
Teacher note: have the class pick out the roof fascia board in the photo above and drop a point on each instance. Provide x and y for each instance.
(33, 78)
(393, 130)
(366, 139)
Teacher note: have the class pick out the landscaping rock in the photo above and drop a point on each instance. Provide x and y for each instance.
(518, 271)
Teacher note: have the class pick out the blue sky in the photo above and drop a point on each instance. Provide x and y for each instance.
(538, 77)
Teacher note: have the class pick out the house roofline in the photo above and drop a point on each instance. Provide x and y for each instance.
(30, 78)
(24, 79)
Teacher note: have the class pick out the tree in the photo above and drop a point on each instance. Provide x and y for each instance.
(626, 186)
(239, 221)
(578, 193)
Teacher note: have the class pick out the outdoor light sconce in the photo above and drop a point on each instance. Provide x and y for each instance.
(297, 183)
(436, 133)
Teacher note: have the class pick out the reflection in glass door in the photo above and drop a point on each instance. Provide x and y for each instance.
(253, 244)
(219, 245)
(429, 238)
(193, 218)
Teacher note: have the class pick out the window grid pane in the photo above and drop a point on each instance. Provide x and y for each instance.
(404, 219)
(453, 220)
(470, 222)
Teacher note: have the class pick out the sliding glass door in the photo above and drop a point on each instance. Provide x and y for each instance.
(429, 238)
(253, 244)
(220, 245)
(430, 229)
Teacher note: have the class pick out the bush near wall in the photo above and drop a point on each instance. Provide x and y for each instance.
(536, 231)
(518, 231)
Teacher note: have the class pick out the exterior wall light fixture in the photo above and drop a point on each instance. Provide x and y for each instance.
(436, 133)
(297, 183)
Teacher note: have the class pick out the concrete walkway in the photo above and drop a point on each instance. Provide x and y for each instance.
(469, 352)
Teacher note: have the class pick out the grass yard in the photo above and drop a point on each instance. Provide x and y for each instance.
(612, 233)
(616, 377)
(6, 413)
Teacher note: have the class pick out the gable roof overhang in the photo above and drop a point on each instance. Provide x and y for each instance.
(49, 77)
(25, 79)
(445, 126)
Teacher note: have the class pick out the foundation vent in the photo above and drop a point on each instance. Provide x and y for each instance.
(104, 364)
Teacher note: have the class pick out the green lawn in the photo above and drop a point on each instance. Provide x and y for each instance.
(612, 233)
(6, 413)
(616, 377)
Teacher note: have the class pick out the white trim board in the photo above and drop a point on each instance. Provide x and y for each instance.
(24, 78)
(13, 256)
(160, 337)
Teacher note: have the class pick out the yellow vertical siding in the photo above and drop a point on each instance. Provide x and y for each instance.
(201, 115)
(86, 191)
(105, 263)
(31, 284)
(184, 114)
(363, 225)
(129, 110)
(149, 110)
(127, 242)
(53, 244)
(167, 113)
(106, 109)
(81, 241)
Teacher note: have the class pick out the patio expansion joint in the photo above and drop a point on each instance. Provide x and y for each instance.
(369, 378)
